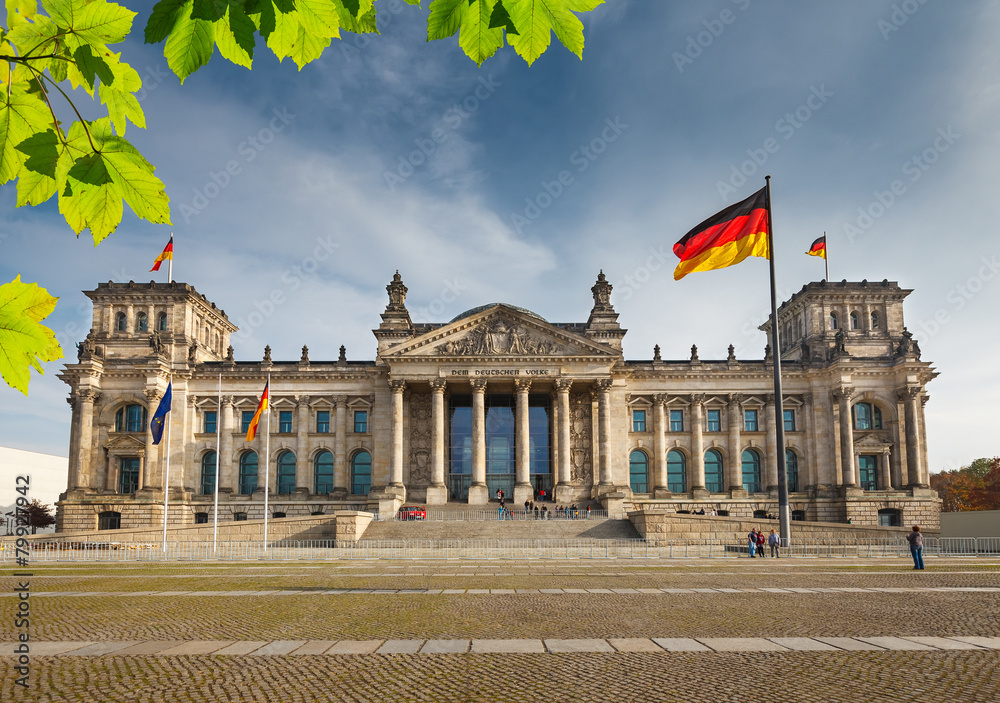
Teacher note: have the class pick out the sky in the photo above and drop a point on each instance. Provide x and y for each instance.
(877, 120)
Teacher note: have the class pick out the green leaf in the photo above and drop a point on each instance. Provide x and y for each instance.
(500, 19)
(477, 38)
(190, 44)
(163, 19)
(234, 35)
(445, 18)
(104, 23)
(89, 66)
(36, 37)
(293, 39)
(117, 93)
(36, 182)
(24, 341)
(21, 115)
(537, 19)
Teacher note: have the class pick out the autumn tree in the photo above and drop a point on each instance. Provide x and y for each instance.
(54, 47)
(972, 487)
(37, 515)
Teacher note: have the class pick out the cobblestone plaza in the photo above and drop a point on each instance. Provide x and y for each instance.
(461, 630)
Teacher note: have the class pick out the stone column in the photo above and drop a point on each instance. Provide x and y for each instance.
(478, 493)
(604, 431)
(563, 471)
(925, 472)
(697, 474)
(227, 466)
(770, 446)
(303, 466)
(735, 450)
(396, 458)
(660, 446)
(810, 462)
(884, 470)
(87, 399)
(148, 461)
(914, 455)
(340, 469)
(522, 467)
(73, 477)
(437, 492)
(848, 463)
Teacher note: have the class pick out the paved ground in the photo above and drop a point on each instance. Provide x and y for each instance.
(739, 630)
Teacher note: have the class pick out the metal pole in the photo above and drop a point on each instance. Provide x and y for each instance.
(170, 262)
(826, 256)
(267, 457)
(784, 517)
(218, 458)
(166, 477)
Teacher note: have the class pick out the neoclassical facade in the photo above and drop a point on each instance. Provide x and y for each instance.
(497, 399)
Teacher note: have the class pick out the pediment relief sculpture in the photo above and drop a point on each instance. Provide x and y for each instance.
(498, 336)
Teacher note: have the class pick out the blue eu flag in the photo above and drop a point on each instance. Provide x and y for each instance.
(156, 424)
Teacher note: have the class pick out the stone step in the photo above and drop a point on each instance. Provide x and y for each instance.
(497, 529)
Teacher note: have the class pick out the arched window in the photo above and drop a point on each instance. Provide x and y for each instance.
(867, 416)
(161, 322)
(889, 517)
(121, 324)
(874, 320)
(855, 321)
(141, 322)
(323, 473)
(792, 470)
(248, 473)
(208, 474)
(361, 473)
(131, 418)
(751, 471)
(675, 472)
(713, 471)
(286, 473)
(833, 320)
(109, 520)
(638, 472)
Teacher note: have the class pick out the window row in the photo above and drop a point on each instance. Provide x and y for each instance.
(714, 471)
(141, 322)
(713, 420)
(247, 481)
(855, 321)
(285, 421)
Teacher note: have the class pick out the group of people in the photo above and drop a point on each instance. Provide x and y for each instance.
(757, 540)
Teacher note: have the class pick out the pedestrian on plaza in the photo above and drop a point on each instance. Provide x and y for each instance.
(499, 494)
(916, 541)
(535, 509)
(545, 512)
(774, 542)
(761, 541)
(500, 512)
(588, 511)
(752, 542)
(527, 506)
(541, 495)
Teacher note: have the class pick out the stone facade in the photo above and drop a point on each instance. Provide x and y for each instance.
(496, 399)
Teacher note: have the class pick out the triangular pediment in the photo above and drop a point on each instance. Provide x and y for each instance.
(873, 441)
(500, 332)
(123, 441)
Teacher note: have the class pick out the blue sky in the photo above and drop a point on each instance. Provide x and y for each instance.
(394, 153)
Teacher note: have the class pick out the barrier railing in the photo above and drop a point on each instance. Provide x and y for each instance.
(509, 549)
(518, 514)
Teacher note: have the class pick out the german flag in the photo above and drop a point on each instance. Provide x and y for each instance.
(818, 247)
(168, 253)
(261, 408)
(726, 238)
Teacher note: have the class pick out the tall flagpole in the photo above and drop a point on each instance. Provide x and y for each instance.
(218, 458)
(170, 263)
(166, 478)
(826, 256)
(267, 457)
(779, 410)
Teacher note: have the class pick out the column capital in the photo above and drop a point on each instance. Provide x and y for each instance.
(603, 384)
(908, 393)
(397, 385)
(843, 393)
(735, 399)
(301, 400)
(227, 400)
(769, 399)
(152, 394)
(660, 398)
(88, 395)
(478, 385)
(522, 384)
(438, 385)
(340, 400)
(697, 399)
(563, 384)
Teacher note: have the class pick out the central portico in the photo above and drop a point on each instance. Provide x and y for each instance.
(489, 394)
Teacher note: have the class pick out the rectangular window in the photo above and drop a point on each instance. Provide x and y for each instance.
(713, 420)
(789, 421)
(323, 421)
(209, 422)
(285, 422)
(676, 420)
(868, 470)
(245, 419)
(749, 420)
(638, 420)
(360, 421)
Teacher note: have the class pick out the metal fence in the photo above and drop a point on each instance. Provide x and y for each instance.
(494, 514)
(508, 549)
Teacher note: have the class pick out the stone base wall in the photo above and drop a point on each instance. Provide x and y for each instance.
(659, 524)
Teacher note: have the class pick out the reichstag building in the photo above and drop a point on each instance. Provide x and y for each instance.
(497, 399)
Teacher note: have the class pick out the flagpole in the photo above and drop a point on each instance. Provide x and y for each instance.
(779, 410)
(166, 478)
(826, 256)
(267, 457)
(170, 262)
(218, 458)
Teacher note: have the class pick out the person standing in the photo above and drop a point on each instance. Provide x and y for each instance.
(916, 541)
(774, 542)
(752, 542)
(761, 541)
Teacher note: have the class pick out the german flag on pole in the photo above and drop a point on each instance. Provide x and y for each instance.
(168, 253)
(818, 247)
(261, 408)
(726, 238)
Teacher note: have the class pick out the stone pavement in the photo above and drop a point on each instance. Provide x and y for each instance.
(824, 630)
